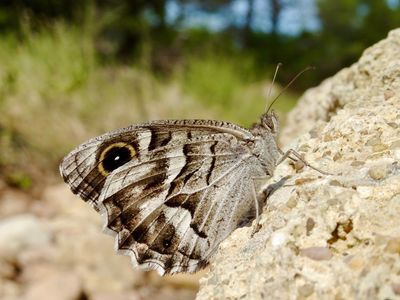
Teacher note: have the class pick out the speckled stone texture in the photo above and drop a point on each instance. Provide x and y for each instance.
(329, 236)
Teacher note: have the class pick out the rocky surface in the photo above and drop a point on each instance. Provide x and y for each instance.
(329, 236)
(53, 248)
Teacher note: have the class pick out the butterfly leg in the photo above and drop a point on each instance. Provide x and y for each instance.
(289, 152)
(257, 227)
(257, 204)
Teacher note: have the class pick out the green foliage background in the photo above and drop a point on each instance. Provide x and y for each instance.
(71, 70)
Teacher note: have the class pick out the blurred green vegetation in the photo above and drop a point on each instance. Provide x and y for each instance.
(137, 31)
(72, 70)
(55, 93)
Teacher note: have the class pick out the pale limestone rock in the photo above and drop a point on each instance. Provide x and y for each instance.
(59, 285)
(116, 296)
(13, 202)
(21, 232)
(57, 251)
(348, 126)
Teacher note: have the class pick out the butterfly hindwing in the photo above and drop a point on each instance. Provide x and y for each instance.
(170, 191)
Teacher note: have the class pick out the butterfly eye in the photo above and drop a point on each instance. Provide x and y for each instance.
(114, 156)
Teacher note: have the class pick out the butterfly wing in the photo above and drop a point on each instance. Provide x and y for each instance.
(174, 191)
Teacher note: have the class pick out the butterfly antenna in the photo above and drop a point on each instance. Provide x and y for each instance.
(271, 85)
(289, 84)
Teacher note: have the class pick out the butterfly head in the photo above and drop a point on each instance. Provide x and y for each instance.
(269, 124)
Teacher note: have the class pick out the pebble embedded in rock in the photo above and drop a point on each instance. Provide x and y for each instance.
(395, 144)
(378, 172)
(357, 163)
(306, 290)
(317, 253)
(373, 141)
(379, 147)
(304, 180)
(335, 182)
(337, 156)
(291, 203)
(356, 263)
(310, 225)
(393, 246)
(388, 94)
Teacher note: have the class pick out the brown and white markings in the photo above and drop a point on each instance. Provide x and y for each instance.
(171, 191)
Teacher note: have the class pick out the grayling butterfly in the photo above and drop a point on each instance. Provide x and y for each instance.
(171, 191)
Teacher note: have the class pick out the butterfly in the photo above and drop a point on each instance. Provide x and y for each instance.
(171, 191)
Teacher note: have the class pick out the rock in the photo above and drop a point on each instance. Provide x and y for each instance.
(396, 288)
(348, 126)
(116, 296)
(81, 248)
(393, 246)
(13, 202)
(182, 280)
(56, 250)
(81, 245)
(310, 225)
(378, 172)
(356, 262)
(305, 290)
(21, 232)
(316, 253)
(9, 290)
(60, 286)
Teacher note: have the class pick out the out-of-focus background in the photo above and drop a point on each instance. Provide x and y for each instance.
(70, 70)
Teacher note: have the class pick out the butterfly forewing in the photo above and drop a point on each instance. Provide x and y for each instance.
(170, 191)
